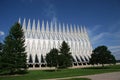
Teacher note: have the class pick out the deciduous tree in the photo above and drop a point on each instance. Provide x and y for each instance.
(101, 55)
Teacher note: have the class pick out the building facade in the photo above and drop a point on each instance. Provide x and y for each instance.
(40, 38)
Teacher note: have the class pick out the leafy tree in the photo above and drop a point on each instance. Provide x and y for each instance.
(14, 55)
(93, 59)
(65, 56)
(101, 55)
(52, 58)
(112, 59)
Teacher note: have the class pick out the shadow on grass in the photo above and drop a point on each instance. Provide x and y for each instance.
(53, 70)
(98, 67)
(4, 73)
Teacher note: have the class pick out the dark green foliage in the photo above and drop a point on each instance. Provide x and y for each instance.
(65, 57)
(1, 49)
(60, 59)
(101, 55)
(52, 58)
(14, 55)
(1, 52)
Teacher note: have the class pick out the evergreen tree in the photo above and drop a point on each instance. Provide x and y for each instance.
(1, 49)
(65, 56)
(14, 55)
(1, 52)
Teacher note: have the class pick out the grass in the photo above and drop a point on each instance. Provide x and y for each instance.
(46, 74)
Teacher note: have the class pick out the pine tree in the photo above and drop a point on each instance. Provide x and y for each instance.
(1, 48)
(14, 55)
(65, 56)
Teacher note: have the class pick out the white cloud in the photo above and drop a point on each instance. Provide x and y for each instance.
(95, 37)
(114, 47)
(110, 38)
(50, 11)
(1, 33)
(98, 37)
(102, 37)
(115, 51)
(96, 27)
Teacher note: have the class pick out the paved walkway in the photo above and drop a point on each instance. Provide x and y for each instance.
(104, 76)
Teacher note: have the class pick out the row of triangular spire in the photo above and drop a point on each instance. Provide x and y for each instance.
(52, 27)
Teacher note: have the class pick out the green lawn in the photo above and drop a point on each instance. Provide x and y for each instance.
(46, 74)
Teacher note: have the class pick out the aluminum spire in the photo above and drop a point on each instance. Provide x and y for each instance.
(38, 26)
(43, 26)
(24, 24)
(47, 27)
(33, 26)
(29, 26)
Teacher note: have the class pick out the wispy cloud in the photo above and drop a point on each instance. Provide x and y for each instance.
(95, 37)
(1, 33)
(109, 38)
(2, 36)
(115, 50)
(116, 53)
(114, 47)
(98, 37)
(50, 11)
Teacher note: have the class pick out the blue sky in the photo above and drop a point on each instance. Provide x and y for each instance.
(101, 17)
